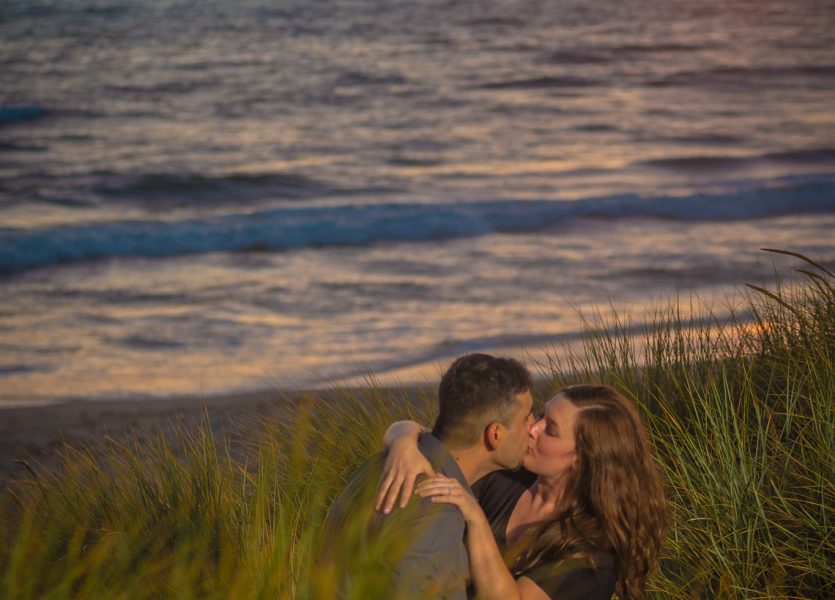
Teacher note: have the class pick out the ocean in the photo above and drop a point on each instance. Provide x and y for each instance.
(201, 197)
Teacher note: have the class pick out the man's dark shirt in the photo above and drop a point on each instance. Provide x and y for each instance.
(419, 550)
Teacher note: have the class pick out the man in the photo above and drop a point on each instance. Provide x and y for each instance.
(418, 552)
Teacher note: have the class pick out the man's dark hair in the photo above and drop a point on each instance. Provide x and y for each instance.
(476, 390)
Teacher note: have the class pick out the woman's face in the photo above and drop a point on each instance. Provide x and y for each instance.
(551, 447)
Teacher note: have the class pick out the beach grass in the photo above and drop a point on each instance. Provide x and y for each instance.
(740, 412)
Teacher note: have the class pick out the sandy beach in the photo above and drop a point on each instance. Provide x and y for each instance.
(37, 434)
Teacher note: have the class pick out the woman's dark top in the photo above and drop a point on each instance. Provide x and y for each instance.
(586, 578)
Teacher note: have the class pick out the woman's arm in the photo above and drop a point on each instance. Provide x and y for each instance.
(491, 577)
(402, 430)
(404, 463)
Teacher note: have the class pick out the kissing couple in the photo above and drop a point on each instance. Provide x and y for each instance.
(497, 503)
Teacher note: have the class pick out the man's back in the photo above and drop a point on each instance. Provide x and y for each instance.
(415, 552)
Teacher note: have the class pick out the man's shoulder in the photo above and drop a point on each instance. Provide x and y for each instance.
(355, 503)
(356, 499)
(420, 546)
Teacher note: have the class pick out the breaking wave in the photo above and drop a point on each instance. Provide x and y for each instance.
(282, 229)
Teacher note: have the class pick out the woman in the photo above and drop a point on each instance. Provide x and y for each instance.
(584, 518)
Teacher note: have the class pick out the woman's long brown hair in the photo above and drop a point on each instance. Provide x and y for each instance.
(614, 497)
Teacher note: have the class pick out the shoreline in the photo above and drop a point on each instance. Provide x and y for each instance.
(37, 432)
(425, 371)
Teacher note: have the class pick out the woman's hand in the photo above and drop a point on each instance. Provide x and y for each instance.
(448, 491)
(404, 463)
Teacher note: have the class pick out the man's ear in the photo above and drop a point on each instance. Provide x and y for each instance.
(494, 435)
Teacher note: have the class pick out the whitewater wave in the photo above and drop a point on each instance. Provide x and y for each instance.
(284, 229)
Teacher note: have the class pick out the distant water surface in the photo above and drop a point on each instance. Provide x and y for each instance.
(198, 197)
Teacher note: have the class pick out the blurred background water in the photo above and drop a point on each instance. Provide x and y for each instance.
(199, 197)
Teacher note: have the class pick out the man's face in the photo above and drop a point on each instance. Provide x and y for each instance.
(516, 441)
